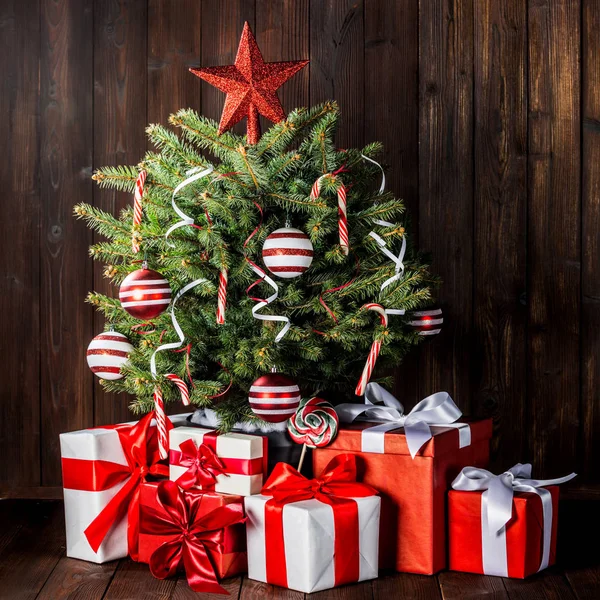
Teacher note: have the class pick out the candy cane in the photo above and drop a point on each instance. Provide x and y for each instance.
(315, 193)
(373, 352)
(181, 386)
(222, 296)
(161, 423)
(138, 211)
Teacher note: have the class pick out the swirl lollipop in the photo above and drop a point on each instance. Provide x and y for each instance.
(315, 425)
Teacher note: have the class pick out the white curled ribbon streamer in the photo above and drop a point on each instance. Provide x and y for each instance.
(193, 175)
(397, 260)
(497, 506)
(176, 326)
(437, 410)
(262, 303)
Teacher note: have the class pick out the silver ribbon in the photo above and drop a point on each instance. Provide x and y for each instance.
(437, 410)
(496, 509)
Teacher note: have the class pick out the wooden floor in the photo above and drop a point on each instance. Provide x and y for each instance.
(33, 565)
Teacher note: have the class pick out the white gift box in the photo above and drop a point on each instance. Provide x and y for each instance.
(309, 538)
(244, 458)
(83, 506)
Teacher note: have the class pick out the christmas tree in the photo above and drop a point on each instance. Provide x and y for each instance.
(227, 193)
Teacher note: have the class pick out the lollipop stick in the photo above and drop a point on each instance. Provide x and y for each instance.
(302, 458)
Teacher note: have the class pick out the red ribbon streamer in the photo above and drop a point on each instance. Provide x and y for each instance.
(336, 486)
(192, 536)
(140, 446)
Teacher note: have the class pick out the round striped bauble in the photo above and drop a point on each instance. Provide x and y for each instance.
(426, 322)
(107, 353)
(274, 397)
(287, 252)
(144, 294)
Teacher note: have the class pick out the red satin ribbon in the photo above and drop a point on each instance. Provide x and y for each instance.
(336, 486)
(192, 533)
(202, 463)
(140, 446)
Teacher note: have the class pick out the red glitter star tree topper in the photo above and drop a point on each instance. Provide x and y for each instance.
(250, 85)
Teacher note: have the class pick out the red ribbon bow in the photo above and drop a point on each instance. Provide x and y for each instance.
(203, 465)
(140, 446)
(193, 536)
(336, 486)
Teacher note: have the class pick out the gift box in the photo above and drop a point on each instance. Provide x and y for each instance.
(102, 469)
(230, 463)
(502, 525)
(313, 534)
(281, 448)
(412, 476)
(217, 549)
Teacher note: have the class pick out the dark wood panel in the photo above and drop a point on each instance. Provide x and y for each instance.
(66, 98)
(19, 246)
(282, 33)
(500, 219)
(183, 591)
(549, 586)
(337, 63)
(222, 25)
(446, 189)
(173, 47)
(74, 579)
(119, 122)
(133, 580)
(255, 589)
(408, 587)
(460, 586)
(590, 254)
(554, 235)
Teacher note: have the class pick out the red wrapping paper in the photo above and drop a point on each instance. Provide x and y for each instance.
(231, 561)
(412, 538)
(524, 532)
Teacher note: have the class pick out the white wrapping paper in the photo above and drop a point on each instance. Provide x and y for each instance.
(82, 507)
(309, 541)
(228, 445)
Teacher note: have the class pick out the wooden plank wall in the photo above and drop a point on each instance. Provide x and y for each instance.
(490, 113)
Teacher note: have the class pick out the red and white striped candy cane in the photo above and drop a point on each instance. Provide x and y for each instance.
(222, 296)
(181, 386)
(373, 352)
(161, 423)
(138, 210)
(315, 193)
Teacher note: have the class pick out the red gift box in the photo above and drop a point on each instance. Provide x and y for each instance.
(413, 491)
(524, 533)
(503, 525)
(226, 551)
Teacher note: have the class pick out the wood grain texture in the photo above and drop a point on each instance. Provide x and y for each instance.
(19, 247)
(585, 583)
(554, 235)
(356, 591)
(133, 580)
(551, 585)
(183, 591)
(500, 223)
(282, 33)
(120, 84)
(446, 190)
(173, 47)
(590, 251)
(337, 63)
(255, 589)
(407, 587)
(26, 562)
(74, 579)
(66, 99)
(222, 25)
(461, 586)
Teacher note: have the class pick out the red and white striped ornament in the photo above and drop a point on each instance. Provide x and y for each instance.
(107, 353)
(274, 397)
(315, 193)
(138, 211)
(427, 322)
(222, 296)
(145, 294)
(161, 423)
(373, 352)
(287, 252)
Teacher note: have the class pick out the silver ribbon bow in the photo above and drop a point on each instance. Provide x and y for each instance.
(497, 506)
(437, 410)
